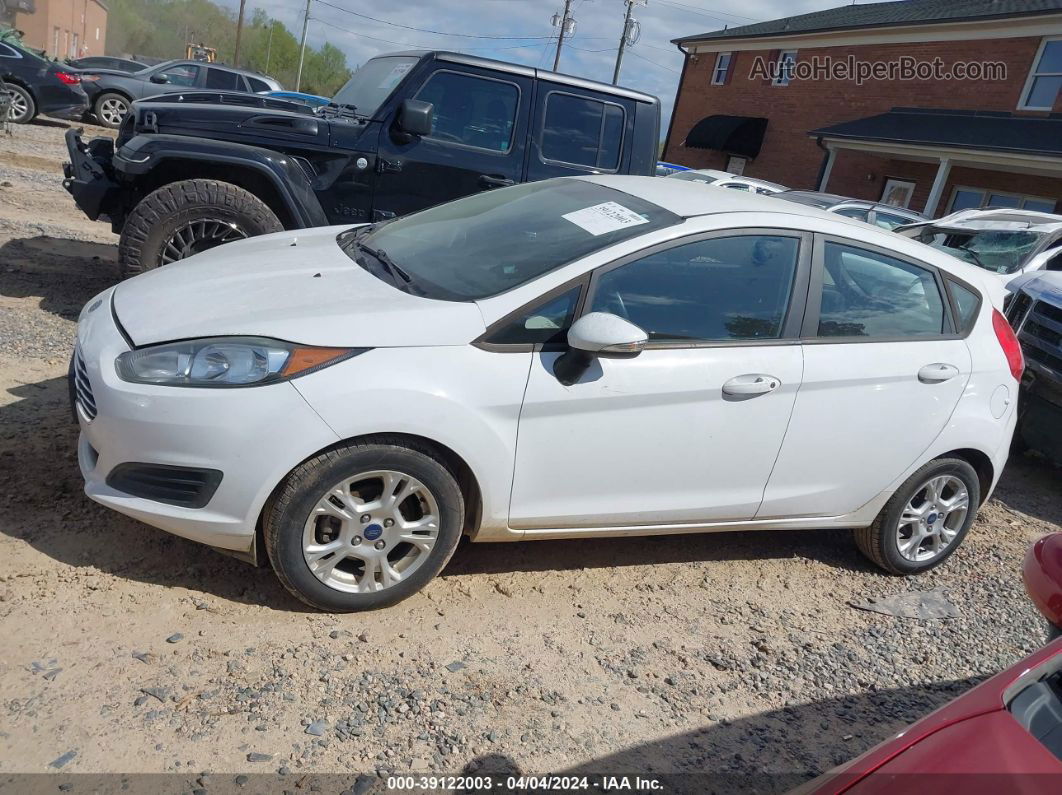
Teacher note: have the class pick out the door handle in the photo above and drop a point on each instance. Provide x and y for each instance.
(486, 181)
(937, 373)
(751, 384)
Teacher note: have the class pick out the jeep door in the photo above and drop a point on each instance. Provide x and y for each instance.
(477, 142)
(579, 131)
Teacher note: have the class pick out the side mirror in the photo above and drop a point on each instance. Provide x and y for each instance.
(415, 118)
(597, 334)
(160, 78)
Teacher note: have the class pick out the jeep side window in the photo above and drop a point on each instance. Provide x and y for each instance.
(182, 74)
(474, 111)
(223, 79)
(582, 132)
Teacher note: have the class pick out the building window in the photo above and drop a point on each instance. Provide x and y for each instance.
(1045, 79)
(722, 68)
(972, 198)
(784, 66)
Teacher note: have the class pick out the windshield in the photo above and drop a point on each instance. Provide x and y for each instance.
(996, 250)
(374, 82)
(491, 242)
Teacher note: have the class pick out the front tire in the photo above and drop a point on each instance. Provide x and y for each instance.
(185, 218)
(927, 518)
(365, 525)
(110, 108)
(23, 107)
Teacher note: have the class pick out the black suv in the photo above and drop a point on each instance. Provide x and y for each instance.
(38, 85)
(1035, 312)
(408, 131)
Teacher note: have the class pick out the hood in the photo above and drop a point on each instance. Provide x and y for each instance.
(295, 286)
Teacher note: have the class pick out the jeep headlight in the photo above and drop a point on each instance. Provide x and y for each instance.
(226, 362)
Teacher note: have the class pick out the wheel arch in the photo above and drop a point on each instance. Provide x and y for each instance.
(119, 91)
(982, 464)
(177, 169)
(466, 481)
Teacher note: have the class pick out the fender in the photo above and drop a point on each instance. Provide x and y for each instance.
(143, 153)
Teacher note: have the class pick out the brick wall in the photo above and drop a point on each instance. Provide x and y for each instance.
(791, 157)
(75, 21)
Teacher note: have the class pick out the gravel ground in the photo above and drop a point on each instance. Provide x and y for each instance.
(128, 650)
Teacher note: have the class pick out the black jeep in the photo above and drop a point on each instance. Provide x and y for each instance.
(192, 170)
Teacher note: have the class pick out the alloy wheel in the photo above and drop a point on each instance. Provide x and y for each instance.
(932, 518)
(371, 531)
(112, 111)
(18, 108)
(197, 236)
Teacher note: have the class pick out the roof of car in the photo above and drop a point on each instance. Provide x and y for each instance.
(527, 71)
(689, 199)
(1002, 219)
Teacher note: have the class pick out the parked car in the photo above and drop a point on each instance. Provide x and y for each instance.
(1005, 735)
(38, 85)
(111, 92)
(312, 100)
(884, 215)
(1035, 313)
(1002, 241)
(724, 179)
(107, 62)
(654, 344)
(664, 169)
(407, 131)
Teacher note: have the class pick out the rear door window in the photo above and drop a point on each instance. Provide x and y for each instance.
(582, 132)
(223, 79)
(868, 294)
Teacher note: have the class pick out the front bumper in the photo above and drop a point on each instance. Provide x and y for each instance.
(88, 174)
(254, 436)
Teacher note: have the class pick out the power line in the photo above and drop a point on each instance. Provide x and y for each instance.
(426, 30)
(720, 15)
(426, 46)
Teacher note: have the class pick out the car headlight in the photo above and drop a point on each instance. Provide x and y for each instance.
(226, 362)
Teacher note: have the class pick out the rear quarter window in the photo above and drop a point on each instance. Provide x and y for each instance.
(967, 302)
(582, 131)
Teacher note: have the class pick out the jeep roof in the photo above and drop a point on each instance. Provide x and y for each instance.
(527, 71)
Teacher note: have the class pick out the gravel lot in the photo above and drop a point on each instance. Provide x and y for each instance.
(135, 651)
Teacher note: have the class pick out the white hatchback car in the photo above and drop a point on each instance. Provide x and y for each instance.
(574, 358)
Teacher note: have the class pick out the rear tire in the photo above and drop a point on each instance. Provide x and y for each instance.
(302, 524)
(23, 106)
(164, 226)
(882, 541)
(110, 108)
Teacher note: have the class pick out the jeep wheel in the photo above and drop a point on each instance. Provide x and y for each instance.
(110, 109)
(186, 218)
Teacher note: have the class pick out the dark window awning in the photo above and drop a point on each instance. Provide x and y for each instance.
(739, 135)
(986, 131)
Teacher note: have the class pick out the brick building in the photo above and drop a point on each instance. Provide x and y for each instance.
(774, 100)
(62, 28)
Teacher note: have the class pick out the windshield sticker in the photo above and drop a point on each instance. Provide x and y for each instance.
(604, 218)
(396, 74)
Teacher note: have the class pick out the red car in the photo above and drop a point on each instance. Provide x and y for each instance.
(1003, 736)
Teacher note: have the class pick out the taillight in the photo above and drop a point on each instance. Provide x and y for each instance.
(69, 79)
(1008, 341)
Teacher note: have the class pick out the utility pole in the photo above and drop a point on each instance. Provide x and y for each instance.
(269, 44)
(302, 45)
(567, 27)
(631, 31)
(239, 30)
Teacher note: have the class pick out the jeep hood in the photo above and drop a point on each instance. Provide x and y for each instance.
(295, 286)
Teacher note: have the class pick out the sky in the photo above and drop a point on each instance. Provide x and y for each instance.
(487, 28)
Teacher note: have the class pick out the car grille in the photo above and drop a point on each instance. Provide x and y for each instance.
(83, 387)
(1039, 327)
